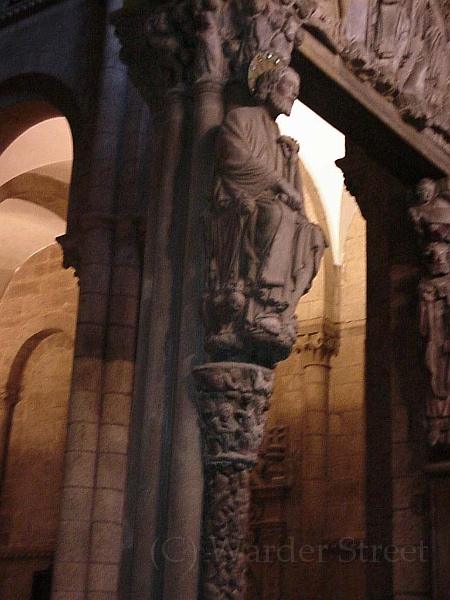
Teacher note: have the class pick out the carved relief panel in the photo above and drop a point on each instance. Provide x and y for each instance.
(431, 219)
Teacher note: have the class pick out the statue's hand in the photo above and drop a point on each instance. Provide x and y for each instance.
(291, 196)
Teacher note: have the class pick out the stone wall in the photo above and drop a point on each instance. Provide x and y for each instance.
(37, 323)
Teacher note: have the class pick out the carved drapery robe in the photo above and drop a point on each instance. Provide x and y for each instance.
(435, 327)
(263, 253)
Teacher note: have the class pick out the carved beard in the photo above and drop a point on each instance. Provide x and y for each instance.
(280, 104)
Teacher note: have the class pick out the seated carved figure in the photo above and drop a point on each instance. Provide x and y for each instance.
(262, 251)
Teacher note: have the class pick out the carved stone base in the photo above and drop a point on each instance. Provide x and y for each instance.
(232, 400)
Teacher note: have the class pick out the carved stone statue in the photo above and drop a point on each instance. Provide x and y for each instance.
(262, 252)
(432, 221)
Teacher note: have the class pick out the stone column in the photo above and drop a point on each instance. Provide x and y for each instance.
(117, 386)
(231, 404)
(157, 352)
(195, 51)
(88, 248)
(6, 409)
(185, 495)
(316, 349)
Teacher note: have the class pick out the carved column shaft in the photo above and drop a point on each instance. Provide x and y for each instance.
(315, 351)
(6, 414)
(185, 504)
(231, 404)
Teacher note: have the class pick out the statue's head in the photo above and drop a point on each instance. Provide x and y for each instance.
(278, 88)
(426, 190)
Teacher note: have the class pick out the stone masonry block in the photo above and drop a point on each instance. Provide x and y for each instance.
(116, 409)
(106, 543)
(76, 504)
(77, 535)
(111, 471)
(113, 439)
(103, 578)
(80, 469)
(108, 505)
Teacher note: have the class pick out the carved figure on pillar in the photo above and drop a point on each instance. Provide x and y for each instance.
(432, 221)
(262, 252)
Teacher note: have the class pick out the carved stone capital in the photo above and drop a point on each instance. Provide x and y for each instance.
(128, 229)
(179, 44)
(232, 400)
(323, 343)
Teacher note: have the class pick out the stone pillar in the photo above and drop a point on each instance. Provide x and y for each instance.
(231, 404)
(117, 387)
(6, 410)
(88, 248)
(157, 353)
(185, 496)
(195, 51)
(72, 554)
(394, 380)
(316, 349)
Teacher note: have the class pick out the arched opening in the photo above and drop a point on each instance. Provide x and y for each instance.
(38, 307)
(309, 487)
